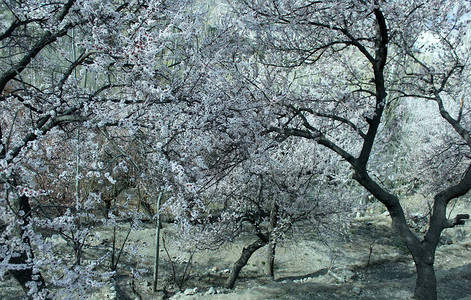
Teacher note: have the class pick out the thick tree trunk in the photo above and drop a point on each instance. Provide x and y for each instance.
(24, 273)
(424, 258)
(422, 252)
(242, 261)
(426, 284)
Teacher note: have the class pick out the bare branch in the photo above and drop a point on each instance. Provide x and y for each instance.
(464, 133)
(44, 125)
(47, 38)
(455, 191)
(458, 220)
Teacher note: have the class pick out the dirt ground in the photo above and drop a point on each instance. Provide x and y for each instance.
(369, 263)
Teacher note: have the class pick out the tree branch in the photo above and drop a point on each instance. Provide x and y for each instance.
(464, 133)
(344, 121)
(45, 40)
(44, 125)
(458, 220)
(457, 190)
(14, 25)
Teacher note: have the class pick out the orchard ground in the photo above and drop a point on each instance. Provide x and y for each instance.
(369, 262)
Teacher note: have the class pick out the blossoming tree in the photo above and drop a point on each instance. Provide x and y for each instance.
(68, 70)
(345, 64)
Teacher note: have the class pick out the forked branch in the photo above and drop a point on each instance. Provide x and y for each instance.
(458, 220)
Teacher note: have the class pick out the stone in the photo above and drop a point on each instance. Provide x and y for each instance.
(224, 291)
(211, 291)
(341, 275)
(190, 291)
(356, 290)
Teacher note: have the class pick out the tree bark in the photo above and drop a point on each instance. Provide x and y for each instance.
(426, 283)
(424, 258)
(242, 261)
(270, 265)
(423, 252)
(25, 273)
(157, 248)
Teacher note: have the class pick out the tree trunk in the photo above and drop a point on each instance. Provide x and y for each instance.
(426, 284)
(157, 248)
(270, 266)
(25, 274)
(242, 261)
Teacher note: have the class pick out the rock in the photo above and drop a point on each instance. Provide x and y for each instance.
(211, 291)
(356, 290)
(341, 275)
(108, 296)
(190, 291)
(445, 240)
(348, 275)
(302, 280)
(226, 271)
(224, 291)
(214, 269)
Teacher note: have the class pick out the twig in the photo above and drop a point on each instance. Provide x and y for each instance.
(174, 273)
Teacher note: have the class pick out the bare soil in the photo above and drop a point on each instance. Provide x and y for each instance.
(369, 263)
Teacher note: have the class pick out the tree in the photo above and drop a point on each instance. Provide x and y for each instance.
(67, 70)
(277, 193)
(345, 63)
(264, 194)
(228, 178)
